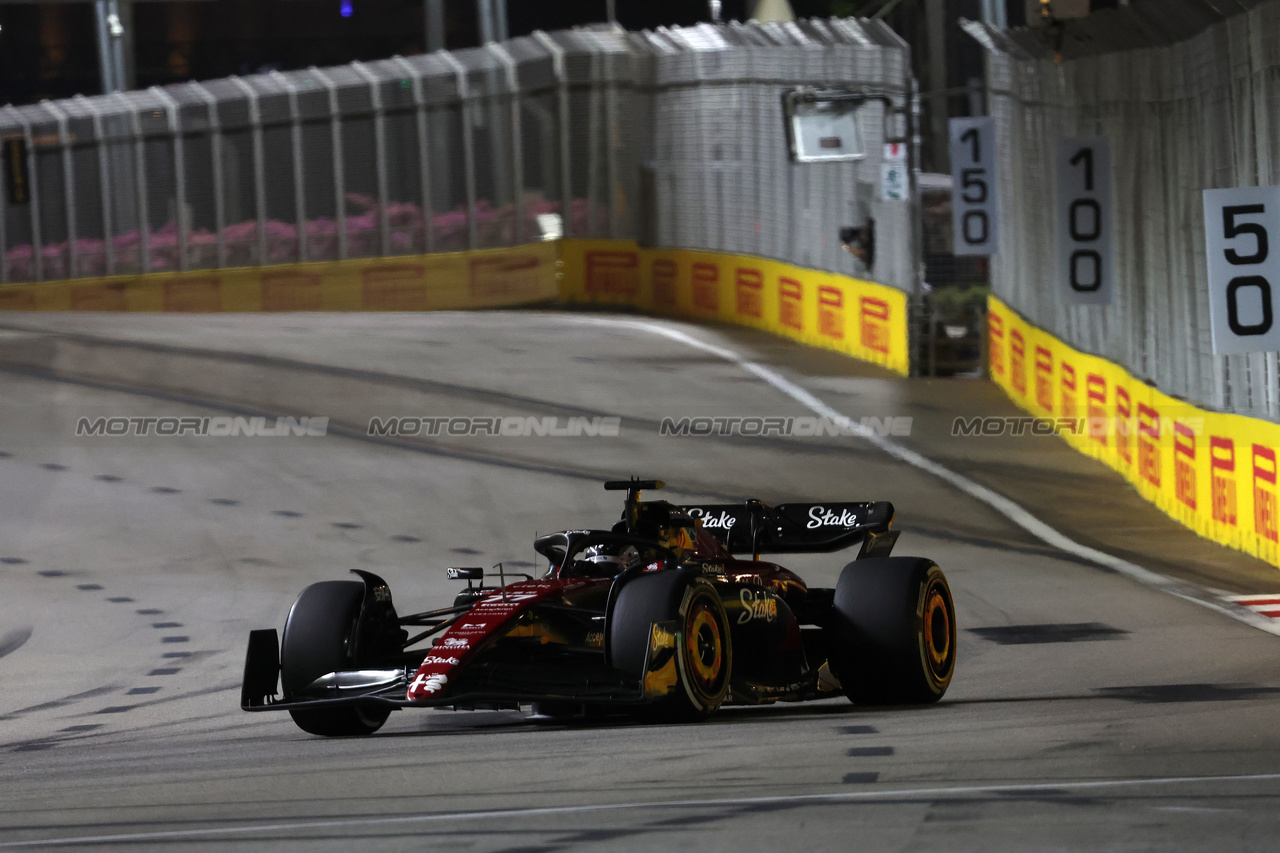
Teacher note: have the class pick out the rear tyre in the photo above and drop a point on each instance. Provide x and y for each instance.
(703, 652)
(892, 636)
(318, 639)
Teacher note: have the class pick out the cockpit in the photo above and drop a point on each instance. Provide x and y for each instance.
(602, 554)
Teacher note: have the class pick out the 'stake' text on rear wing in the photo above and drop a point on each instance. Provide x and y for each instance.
(754, 527)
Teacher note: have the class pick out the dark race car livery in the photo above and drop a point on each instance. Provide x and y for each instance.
(668, 615)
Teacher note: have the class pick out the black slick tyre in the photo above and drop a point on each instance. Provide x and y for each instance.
(318, 639)
(892, 632)
(702, 656)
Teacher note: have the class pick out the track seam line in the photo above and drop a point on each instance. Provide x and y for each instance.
(833, 797)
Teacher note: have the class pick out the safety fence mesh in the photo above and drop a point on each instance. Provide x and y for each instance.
(672, 137)
(1182, 116)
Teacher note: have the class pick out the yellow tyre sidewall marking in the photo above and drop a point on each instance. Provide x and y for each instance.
(702, 616)
(935, 602)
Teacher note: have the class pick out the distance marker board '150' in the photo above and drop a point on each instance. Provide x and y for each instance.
(668, 615)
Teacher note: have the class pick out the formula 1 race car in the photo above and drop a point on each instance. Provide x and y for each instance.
(656, 618)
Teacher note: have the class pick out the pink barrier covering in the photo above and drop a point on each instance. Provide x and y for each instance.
(495, 226)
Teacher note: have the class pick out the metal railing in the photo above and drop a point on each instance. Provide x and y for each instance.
(674, 137)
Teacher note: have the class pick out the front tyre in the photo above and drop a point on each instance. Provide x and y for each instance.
(892, 635)
(319, 639)
(694, 670)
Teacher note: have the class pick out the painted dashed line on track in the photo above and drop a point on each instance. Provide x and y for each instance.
(35, 746)
(221, 501)
(52, 742)
(863, 777)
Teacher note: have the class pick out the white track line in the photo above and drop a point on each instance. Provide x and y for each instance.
(798, 799)
(998, 502)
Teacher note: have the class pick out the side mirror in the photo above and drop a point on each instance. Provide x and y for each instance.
(470, 573)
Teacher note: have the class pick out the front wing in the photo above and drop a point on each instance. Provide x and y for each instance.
(486, 684)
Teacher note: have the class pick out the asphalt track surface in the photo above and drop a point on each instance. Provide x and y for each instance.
(1090, 710)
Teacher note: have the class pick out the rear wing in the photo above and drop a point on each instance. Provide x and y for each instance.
(756, 528)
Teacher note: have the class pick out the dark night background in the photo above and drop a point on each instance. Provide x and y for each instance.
(48, 50)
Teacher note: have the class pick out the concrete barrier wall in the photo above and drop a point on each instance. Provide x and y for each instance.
(859, 318)
(458, 280)
(1216, 473)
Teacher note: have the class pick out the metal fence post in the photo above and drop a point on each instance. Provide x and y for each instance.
(104, 183)
(517, 140)
(704, 162)
(593, 140)
(916, 300)
(562, 121)
(33, 193)
(380, 157)
(612, 133)
(180, 174)
(259, 166)
(501, 26)
(68, 187)
(4, 227)
(339, 170)
(424, 152)
(434, 14)
(484, 20)
(139, 182)
(295, 136)
(215, 153)
(917, 224)
(468, 142)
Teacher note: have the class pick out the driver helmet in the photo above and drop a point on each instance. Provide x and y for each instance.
(678, 533)
(602, 563)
